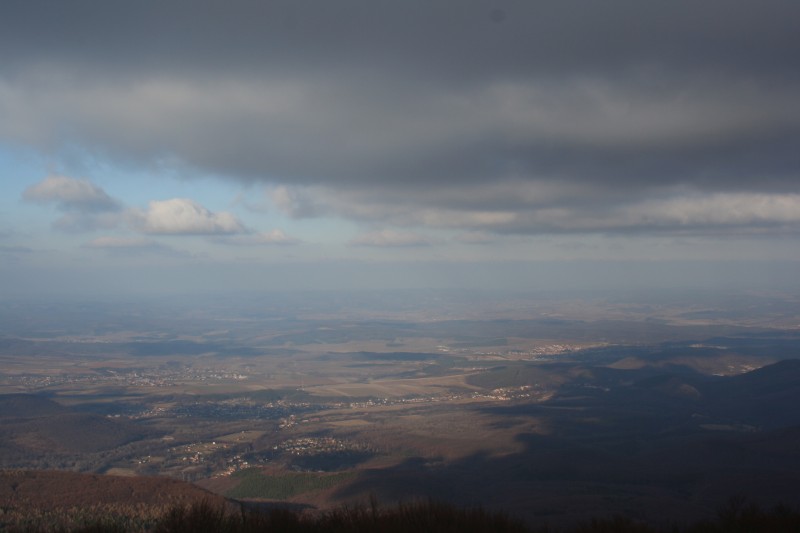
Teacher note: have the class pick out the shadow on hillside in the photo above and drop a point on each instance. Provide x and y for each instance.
(662, 448)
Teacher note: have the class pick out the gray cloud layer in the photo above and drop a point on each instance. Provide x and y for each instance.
(498, 116)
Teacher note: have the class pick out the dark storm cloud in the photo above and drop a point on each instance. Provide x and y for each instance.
(459, 40)
(453, 107)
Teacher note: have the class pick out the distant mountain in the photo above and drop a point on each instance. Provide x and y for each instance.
(767, 380)
(766, 397)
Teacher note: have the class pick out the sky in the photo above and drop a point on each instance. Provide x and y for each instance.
(193, 145)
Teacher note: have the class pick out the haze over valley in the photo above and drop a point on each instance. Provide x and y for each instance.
(556, 407)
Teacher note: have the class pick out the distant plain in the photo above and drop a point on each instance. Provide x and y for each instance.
(552, 406)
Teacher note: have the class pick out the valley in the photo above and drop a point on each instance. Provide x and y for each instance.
(541, 407)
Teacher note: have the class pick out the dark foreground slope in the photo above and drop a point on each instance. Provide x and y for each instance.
(47, 500)
(429, 517)
(433, 517)
(43, 488)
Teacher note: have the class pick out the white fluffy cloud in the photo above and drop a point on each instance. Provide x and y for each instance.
(88, 207)
(85, 205)
(71, 194)
(182, 216)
